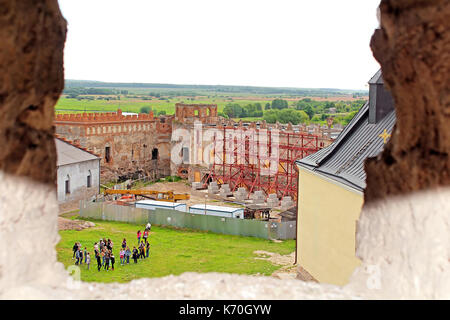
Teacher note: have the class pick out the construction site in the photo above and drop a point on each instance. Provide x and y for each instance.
(249, 165)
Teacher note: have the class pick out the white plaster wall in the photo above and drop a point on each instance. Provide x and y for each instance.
(404, 243)
(78, 173)
(407, 238)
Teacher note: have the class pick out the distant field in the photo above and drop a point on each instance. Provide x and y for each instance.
(237, 102)
(66, 105)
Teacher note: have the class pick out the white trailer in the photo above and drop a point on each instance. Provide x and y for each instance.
(228, 212)
(154, 204)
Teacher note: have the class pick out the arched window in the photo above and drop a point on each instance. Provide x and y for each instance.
(67, 185)
(107, 154)
(89, 179)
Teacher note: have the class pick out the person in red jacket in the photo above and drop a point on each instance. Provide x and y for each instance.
(145, 236)
(139, 236)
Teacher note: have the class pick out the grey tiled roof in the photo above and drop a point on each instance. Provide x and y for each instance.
(343, 160)
(377, 78)
(68, 154)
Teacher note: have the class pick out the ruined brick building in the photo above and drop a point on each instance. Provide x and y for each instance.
(188, 113)
(132, 146)
(129, 145)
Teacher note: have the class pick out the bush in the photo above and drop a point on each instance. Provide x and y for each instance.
(172, 179)
(145, 110)
(286, 116)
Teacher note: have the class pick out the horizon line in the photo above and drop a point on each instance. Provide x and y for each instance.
(218, 85)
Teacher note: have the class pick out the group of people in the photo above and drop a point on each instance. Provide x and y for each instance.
(104, 251)
(79, 254)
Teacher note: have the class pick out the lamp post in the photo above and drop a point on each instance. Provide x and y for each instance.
(206, 197)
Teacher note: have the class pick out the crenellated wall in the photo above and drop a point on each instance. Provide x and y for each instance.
(188, 113)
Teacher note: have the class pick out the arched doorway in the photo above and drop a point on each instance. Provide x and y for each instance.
(155, 154)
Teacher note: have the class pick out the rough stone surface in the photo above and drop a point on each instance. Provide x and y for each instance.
(188, 113)
(196, 185)
(241, 194)
(32, 35)
(413, 48)
(404, 243)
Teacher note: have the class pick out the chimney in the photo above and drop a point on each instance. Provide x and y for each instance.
(380, 100)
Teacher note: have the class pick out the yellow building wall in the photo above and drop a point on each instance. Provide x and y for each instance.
(327, 215)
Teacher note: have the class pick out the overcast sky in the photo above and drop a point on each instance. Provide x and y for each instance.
(280, 43)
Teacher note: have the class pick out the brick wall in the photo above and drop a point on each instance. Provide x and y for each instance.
(126, 143)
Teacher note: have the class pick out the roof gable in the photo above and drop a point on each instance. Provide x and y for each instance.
(68, 153)
(344, 159)
(377, 78)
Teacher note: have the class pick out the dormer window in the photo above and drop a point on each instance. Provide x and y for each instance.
(380, 100)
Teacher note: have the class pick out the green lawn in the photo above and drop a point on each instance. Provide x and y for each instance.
(172, 251)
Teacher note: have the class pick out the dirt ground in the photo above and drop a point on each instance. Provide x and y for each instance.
(288, 269)
(67, 224)
(196, 197)
(199, 196)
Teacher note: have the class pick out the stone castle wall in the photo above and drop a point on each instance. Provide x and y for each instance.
(188, 113)
(129, 146)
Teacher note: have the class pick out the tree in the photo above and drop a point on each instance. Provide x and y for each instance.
(309, 111)
(234, 110)
(279, 104)
(285, 116)
(271, 116)
(329, 105)
(145, 110)
(303, 116)
(221, 114)
(292, 116)
(267, 107)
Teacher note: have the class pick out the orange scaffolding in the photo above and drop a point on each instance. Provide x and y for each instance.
(259, 159)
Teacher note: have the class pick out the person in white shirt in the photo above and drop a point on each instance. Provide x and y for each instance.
(88, 260)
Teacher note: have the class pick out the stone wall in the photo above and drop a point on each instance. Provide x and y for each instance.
(78, 173)
(198, 141)
(32, 35)
(136, 145)
(188, 113)
(413, 46)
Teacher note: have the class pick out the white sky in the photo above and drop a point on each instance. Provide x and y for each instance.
(279, 43)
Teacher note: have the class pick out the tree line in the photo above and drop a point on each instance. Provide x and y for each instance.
(302, 111)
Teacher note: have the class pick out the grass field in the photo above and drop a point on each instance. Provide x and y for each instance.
(172, 251)
(134, 105)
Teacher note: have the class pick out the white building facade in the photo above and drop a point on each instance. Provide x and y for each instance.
(78, 173)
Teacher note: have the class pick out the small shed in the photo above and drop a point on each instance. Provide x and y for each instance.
(154, 204)
(228, 212)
